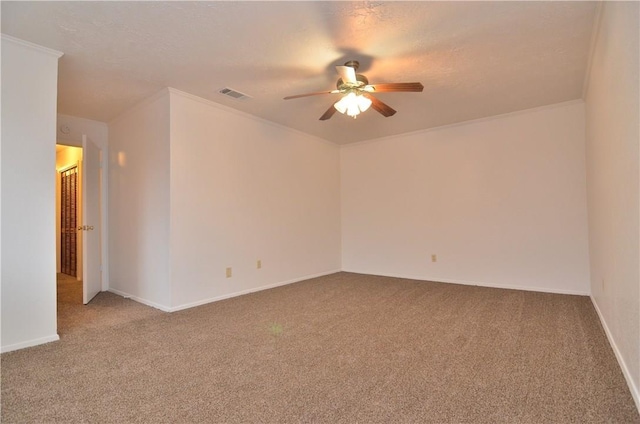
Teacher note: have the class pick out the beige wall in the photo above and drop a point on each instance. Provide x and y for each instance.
(196, 187)
(29, 92)
(139, 202)
(244, 189)
(67, 156)
(501, 202)
(613, 134)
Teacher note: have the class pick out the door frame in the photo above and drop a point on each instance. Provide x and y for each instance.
(104, 198)
(91, 189)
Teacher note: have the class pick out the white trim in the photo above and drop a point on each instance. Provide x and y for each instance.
(635, 393)
(253, 290)
(140, 300)
(592, 47)
(247, 115)
(465, 123)
(217, 298)
(30, 343)
(41, 49)
(478, 283)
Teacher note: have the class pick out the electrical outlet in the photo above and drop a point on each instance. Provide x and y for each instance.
(434, 258)
(229, 272)
(259, 264)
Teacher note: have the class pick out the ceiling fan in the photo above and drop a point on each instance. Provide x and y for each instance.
(357, 93)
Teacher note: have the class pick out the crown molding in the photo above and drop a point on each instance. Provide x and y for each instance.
(592, 47)
(469, 122)
(32, 46)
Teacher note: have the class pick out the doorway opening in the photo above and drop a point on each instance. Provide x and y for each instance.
(68, 218)
(79, 230)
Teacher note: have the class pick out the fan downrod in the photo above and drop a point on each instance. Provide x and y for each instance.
(353, 64)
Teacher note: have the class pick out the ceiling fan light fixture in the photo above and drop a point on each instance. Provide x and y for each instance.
(363, 103)
(352, 104)
(353, 110)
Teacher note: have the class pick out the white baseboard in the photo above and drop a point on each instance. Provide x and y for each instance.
(217, 298)
(30, 343)
(477, 283)
(252, 290)
(635, 393)
(140, 300)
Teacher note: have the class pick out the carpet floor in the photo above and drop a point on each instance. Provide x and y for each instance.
(345, 348)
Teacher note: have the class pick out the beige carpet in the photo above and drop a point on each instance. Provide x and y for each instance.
(345, 348)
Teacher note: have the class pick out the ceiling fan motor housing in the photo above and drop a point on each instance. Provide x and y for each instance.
(362, 81)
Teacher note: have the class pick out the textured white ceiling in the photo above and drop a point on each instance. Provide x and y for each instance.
(475, 59)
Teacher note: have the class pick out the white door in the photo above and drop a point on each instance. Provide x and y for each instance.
(91, 231)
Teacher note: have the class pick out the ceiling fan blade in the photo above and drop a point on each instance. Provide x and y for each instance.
(329, 113)
(380, 106)
(347, 73)
(397, 86)
(310, 94)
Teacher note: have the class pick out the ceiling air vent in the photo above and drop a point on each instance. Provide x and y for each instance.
(233, 94)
